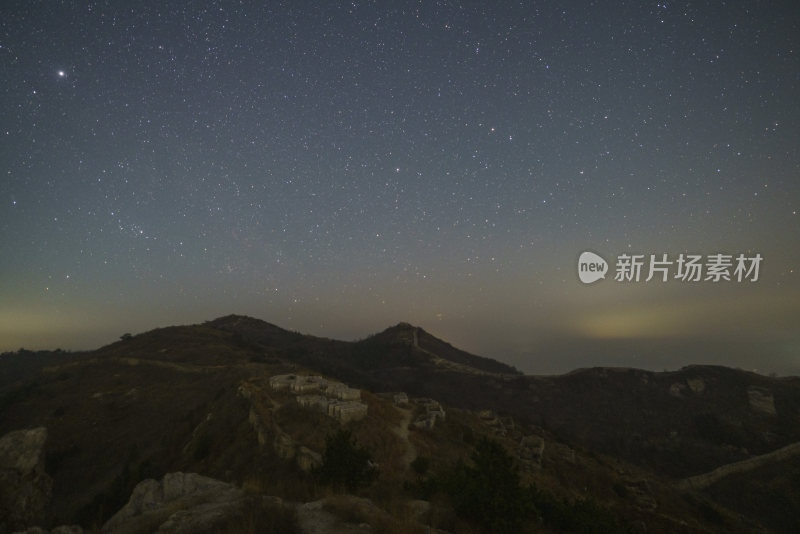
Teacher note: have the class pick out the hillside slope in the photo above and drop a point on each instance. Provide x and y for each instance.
(200, 399)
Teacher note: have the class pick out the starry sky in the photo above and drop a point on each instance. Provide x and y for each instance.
(337, 167)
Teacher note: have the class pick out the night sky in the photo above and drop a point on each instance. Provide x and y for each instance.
(337, 167)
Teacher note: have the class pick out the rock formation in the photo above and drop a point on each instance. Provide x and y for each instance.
(761, 400)
(25, 488)
(180, 503)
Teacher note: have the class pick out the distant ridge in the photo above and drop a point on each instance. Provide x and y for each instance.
(419, 339)
(398, 345)
(244, 323)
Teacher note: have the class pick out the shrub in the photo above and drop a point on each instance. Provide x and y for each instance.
(487, 493)
(581, 516)
(345, 464)
(420, 465)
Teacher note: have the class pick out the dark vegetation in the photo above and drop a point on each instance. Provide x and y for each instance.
(345, 464)
(17, 368)
(487, 492)
(771, 492)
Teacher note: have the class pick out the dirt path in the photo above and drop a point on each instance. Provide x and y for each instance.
(707, 479)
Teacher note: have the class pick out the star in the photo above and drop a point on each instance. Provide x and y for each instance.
(321, 167)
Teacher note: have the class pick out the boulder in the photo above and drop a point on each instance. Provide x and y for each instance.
(25, 488)
(179, 503)
(697, 385)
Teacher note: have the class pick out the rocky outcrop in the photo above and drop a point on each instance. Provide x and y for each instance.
(432, 411)
(316, 518)
(328, 396)
(25, 488)
(761, 400)
(677, 390)
(188, 503)
(400, 399)
(64, 529)
(180, 503)
(697, 385)
(261, 430)
(282, 443)
(531, 449)
(286, 448)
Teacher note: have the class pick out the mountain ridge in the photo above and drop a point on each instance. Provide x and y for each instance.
(402, 334)
(171, 399)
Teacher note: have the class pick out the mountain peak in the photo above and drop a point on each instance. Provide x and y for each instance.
(244, 324)
(441, 352)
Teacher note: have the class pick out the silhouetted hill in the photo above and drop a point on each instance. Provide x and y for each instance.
(404, 334)
(678, 423)
(369, 363)
(26, 364)
(257, 330)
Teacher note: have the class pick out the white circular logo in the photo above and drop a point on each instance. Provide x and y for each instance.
(591, 267)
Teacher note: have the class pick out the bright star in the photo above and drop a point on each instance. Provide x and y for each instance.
(61, 74)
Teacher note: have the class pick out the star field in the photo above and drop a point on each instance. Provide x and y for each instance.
(337, 168)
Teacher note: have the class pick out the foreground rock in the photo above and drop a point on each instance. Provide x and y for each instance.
(188, 503)
(25, 488)
(348, 514)
(322, 517)
(64, 529)
(185, 503)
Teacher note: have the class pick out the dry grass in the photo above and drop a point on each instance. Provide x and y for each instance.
(264, 516)
(451, 440)
(381, 408)
(398, 520)
(377, 433)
